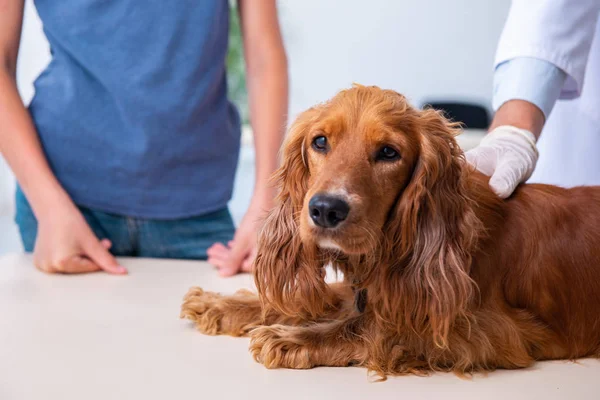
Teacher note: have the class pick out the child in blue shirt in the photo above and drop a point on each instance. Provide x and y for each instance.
(130, 145)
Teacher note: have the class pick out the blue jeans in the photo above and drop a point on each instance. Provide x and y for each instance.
(186, 238)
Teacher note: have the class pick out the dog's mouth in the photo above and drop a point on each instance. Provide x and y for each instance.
(337, 235)
(328, 243)
(328, 238)
(341, 241)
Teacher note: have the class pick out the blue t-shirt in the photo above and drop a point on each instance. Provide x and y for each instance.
(132, 111)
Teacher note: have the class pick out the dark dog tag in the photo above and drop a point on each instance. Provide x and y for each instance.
(360, 300)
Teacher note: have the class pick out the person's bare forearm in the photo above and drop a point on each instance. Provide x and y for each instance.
(521, 114)
(266, 67)
(20, 146)
(19, 142)
(268, 106)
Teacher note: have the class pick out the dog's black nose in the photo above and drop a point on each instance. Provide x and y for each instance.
(327, 211)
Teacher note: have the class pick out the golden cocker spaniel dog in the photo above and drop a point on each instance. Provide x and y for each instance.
(439, 274)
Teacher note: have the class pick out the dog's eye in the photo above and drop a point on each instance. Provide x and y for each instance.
(320, 143)
(387, 153)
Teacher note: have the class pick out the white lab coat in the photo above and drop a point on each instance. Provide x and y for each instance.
(565, 33)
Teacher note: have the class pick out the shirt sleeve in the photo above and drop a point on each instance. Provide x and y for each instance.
(526, 78)
(557, 31)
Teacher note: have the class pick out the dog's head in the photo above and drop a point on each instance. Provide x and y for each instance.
(358, 152)
(367, 175)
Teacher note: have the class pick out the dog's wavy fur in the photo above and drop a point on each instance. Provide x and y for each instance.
(456, 279)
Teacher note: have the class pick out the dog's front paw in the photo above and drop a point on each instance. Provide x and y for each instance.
(203, 309)
(277, 346)
(215, 314)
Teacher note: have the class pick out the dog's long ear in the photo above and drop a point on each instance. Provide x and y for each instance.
(288, 274)
(433, 231)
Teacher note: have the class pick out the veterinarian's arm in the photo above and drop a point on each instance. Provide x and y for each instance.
(525, 90)
(64, 243)
(267, 79)
(541, 57)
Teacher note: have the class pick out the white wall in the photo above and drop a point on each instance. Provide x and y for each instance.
(424, 49)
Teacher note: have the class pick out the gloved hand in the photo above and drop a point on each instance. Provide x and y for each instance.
(507, 154)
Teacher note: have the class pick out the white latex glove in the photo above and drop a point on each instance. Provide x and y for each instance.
(507, 154)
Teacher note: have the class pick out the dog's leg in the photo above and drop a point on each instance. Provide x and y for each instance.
(236, 315)
(215, 314)
(338, 343)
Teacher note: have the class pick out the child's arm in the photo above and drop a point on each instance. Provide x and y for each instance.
(65, 243)
(267, 79)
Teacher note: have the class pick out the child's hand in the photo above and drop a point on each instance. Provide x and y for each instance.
(66, 244)
(219, 255)
(238, 255)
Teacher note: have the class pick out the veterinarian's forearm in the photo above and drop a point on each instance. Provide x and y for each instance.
(521, 114)
(525, 91)
(266, 65)
(20, 146)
